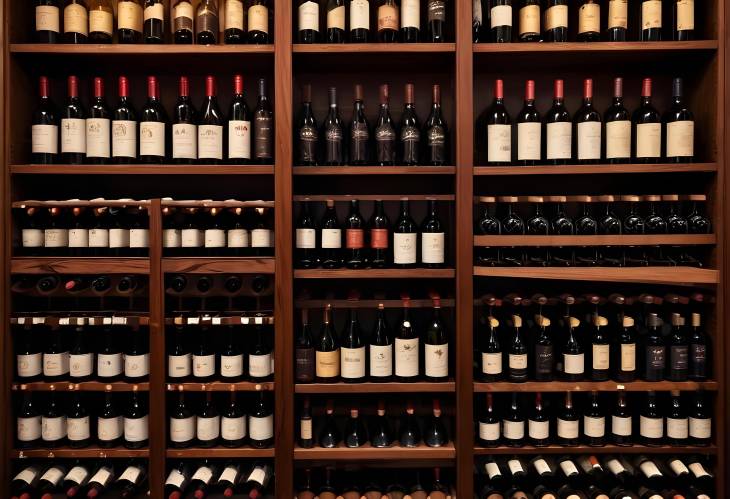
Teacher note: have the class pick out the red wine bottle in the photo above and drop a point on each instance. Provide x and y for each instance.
(594, 422)
(306, 437)
(500, 20)
(353, 356)
(559, 127)
(355, 434)
(50, 481)
(182, 424)
(327, 351)
(261, 422)
(647, 127)
(489, 434)
(436, 132)
(177, 481)
(355, 238)
(263, 125)
(331, 238)
(228, 479)
(568, 423)
(124, 127)
(25, 481)
(618, 126)
(385, 133)
(410, 129)
(655, 350)
(435, 434)
(433, 238)
(529, 26)
(28, 423)
(109, 423)
(359, 131)
(381, 435)
(589, 21)
(499, 129)
(680, 127)
(329, 436)
(683, 20)
(407, 348)
(202, 479)
(651, 421)
(410, 433)
(307, 131)
(239, 125)
(154, 22)
(130, 21)
(153, 126)
(529, 127)
(651, 21)
(233, 423)
(47, 21)
(75, 22)
(136, 416)
(98, 127)
(184, 129)
(538, 424)
(75, 479)
(131, 480)
(73, 126)
(617, 26)
(257, 481)
(210, 127)
(700, 421)
(78, 424)
(513, 424)
(99, 481)
(556, 21)
(588, 127)
(207, 424)
(436, 347)
(333, 133)
(381, 349)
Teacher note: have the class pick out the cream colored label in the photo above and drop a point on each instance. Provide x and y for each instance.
(404, 248)
(517, 361)
(81, 365)
(47, 18)
(589, 18)
(210, 142)
(529, 141)
(55, 238)
(309, 16)
(129, 16)
(53, 428)
(108, 366)
(574, 364)
(124, 139)
(680, 139)
(568, 429)
(192, 238)
(78, 428)
(410, 11)
(55, 364)
(651, 427)
(44, 139)
(618, 14)
(492, 363)
(215, 238)
(499, 143)
(78, 238)
(171, 238)
(556, 17)
(437, 360)
(698, 470)
(183, 9)
(501, 15)
(139, 238)
(136, 366)
(628, 357)
(331, 238)
(234, 15)
(538, 430)
(594, 427)
(231, 366)
(352, 362)
(258, 18)
(208, 428)
(700, 428)
(651, 14)
(182, 430)
(589, 140)
(618, 139)
(29, 429)
(239, 139)
(75, 19)
(305, 429)
(306, 238)
(648, 140)
(151, 138)
(678, 467)
(359, 14)
(204, 474)
(203, 366)
(406, 357)
(131, 474)
(530, 19)
(489, 431)
(101, 21)
(381, 360)
(336, 18)
(175, 478)
(514, 430)
(677, 428)
(157, 11)
(99, 238)
(432, 247)
(600, 357)
(387, 17)
(73, 135)
(559, 140)
(98, 144)
(327, 364)
(261, 428)
(233, 428)
(53, 475)
(685, 15)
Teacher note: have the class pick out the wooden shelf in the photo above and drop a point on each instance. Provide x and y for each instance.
(222, 386)
(218, 265)
(88, 452)
(374, 170)
(138, 169)
(676, 276)
(417, 273)
(80, 265)
(606, 169)
(220, 452)
(138, 49)
(446, 387)
(595, 47)
(585, 449)
(380, 48)
(366, 452)
(84, 386)
(619, 240)
(371, 303)
(587, 386)
(375, 197)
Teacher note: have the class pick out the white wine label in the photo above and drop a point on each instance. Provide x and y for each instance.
(437, 360)
(53, 429)
(541, 466)
(29, 365)
(73, 135)
(327, 364)
(589, 140)
(124, 139)
(680, 139)
(77, 474)
(594, 427)
(261, 238)
(698, 470)
(501, 15)
(139, 238)
(208, 428)
(234, 14)
(204, 474)
(215, 238)
(210, 142)
(192, 238)
(229, 474)
(489, 431)
(53, 475)
(538, 430)
(152, 138)
(233, 428)
(306, 238)
(309, 16)
(410, 14)
(81, 365)
(678, 428)
(78, 428)
(101, 21)
(574, 364)
(621, 426)
(628, 356)
(556, 17)
(305, 429)
(517, 361)
(568, 429)
(685, 15)
(651, 427)
(331, 238)
(257, 475)
(239, 139)
(492, 363)
(513, 430)
(129, 16)
(47, 18)
(119, 238)
(406, 357)
(618, 14)
(44, 139)
(132, 473)
(432, 247)
(32, 238)
(601, 355)
(109, 429)
(618, 139)
(530, 19)
(29, 429)
(529, 140)
(78, 238)
(387, 17)
(55, 364)
(179, 366)
(261, 428)
(700, 427)
(381, 361)
(238, 238)
(171, 238)
(184, 141)
(175, 478)
(404, 248)
(568, 467)
(55, 238)
(136, 366)
(559, 140)
(650, 469)
(651, 14)
(259, 366)
(492, 470)
(336, 18)
(108, 366)
(499, 143)
(515, 466)
(258, 18)
(678, 467)
(589, 18)
(182, 430)
(203, 365)
(231, 366)
(352, 362)
(98, 138)
(359, 14)
(648, 140)
(157, 11)
(75, 19)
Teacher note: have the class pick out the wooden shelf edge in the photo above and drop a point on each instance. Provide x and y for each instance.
(89, 452)
(138, 169)
(389, 48)
(221, 452)
(587, 386)
(221, 386)
(84, 386)
(594, 47)
(217, 265)
(138, 49)
(367, 452)
(677, 276)
(374, 274)
(370, 303)
(374, 170)
(617, 240)
(605, 169)
(446, 387)
(79, 265)
(374, 197)
(585, 449)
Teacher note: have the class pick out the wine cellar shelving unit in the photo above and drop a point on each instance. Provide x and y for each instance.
(465, 72)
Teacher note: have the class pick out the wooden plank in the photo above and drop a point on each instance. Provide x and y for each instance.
(445, 387)
(137, 169)
(218, 265)
(85, 386)
(378, 48)
(62, 265)
(374, 170)
(601, 47)
(60, 49)
(88, 452)
(676, 276)
(585, 449)
(221, 386)
(587, 386)
(366, 452)
(619, 240)
(371, 303)
(606, 169)
(220, 452)
(374, 274)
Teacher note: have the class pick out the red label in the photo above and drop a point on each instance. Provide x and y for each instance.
(355, 238)
(379, 238)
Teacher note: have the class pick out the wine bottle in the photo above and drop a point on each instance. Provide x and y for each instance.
(385, 134)
(100, 480)
(47, 21)
(335, 21)
(75, 22)
(154, 22)
(647, 126)
(544, 354)
(654, 350)
(680, 126)
(28, 423)
(517, 353)
(260, 364)
(677, 421)
(410, 134)
(25, 481)
(404, 238)
(410, 21)
(44, 138)
(329, 435)
(594, 422)
(233, 423)
(568, 423)
(500, 20)
(182, 424)
(355, 237)
(131, 480)
(50, 481)
(436, 132)
(184, 126)
(651, 422)
(621, 421)
(381, 349)
(308, 21)
(559, 128)
(130, 20)
(529, 130)
(98, 127)
(327, 351)
(436, 346)
(491, 353)
(407, 348)
(109, 423)
(308, 133)
(489, 434)
(206, 23)
(182, 22)
(499, 129)
(124, 127)
(600, 350)
(306, 437)
(537, 225)
(263, 126)
(331, 238)
(432, 238)
(78, 424)
(435, 434)
(109, 359)
(234, 30)
(359, 21)
(698, 348)
(55, 357)
(359, 131)
(257, 481)
(207, 423)
(436, 18)
(204, 356)
(678, 351)
(409, 433)
(625, 352)
(53, 422)
(136, 426)
(353, 351)
(556, 21)
(618, 15)
(683, 20)
(380, 434)
(177, 481)
(202, 479)
(73, 126)
(388, 21)
(513, 424)
(538, 424)
(618, 127)
(588, 125)
(81, 358)
(589, 21)
(355, 434)
(304, 351)
(700, 421)
(529, 21)
(651, 21)
(573, 352)
(210, 129)
(153, 125)
(258, 22)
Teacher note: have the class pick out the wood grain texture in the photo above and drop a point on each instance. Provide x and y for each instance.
(218, 265)
(587, 386)
(221, 386)
(85, 386)
(378, 48)
(89, 452)
(374, 274)
(139, 50)
(607, 169)
(61, 265)
(221, 452)
(375, 197)
(573, 47)
(584, 449)
(622, 240)
(366, 452)
(446, 387)
(374, 170)
(676, 276)
(371, 304)
(137, 169)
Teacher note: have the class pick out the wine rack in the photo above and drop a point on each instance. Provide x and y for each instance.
(465, 72)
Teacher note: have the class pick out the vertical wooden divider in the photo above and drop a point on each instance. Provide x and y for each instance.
(158, 440)
(464, 251)
(284, 298)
